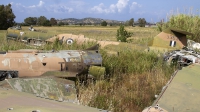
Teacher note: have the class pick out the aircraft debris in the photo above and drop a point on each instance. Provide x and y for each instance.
(183, 57)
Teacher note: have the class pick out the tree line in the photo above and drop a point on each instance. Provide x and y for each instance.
(7, 20)
(41, 21)
(140, 22)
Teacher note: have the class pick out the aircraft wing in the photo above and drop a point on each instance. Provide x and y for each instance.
(15, 101)
(182, 93)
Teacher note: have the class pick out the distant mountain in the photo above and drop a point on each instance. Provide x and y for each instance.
(88, 21)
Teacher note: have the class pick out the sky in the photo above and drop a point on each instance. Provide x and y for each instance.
(122, 10)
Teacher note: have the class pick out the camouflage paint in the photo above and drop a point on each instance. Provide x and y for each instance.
(182, 94)
(15, 101)
(44, 87)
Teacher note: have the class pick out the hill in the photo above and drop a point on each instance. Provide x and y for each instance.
(88, 21)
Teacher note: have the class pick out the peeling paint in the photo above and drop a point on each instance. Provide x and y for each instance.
(30, 62)
(6, 62)
(25, 55)
(31, 59)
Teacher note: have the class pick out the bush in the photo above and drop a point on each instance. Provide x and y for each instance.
(122, 34)
(104, 23)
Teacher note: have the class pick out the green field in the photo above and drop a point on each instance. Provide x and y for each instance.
(99, 33)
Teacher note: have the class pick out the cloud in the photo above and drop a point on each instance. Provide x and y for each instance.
(75, 6)
(60, 9)
(113, 8)
(42, 7)
(121, 4)
(101, 8)
(41, 3)
(134, 7)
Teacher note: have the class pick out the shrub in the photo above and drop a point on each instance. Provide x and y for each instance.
(122, 34)
(104, 23)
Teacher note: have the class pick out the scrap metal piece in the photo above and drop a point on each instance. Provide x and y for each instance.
(183, 57)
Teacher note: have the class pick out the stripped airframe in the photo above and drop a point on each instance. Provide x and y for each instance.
(46, 74)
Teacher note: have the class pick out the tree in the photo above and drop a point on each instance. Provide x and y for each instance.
(53, 21)
(30, 20)
(66, 23)
(122, 34)
(131, 22)
(61, 23)
(142, 22)
(126, 23)
(104, 23)
(6, 17)
(46, 23)
(41, 20)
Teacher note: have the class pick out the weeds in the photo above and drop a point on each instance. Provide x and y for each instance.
(135, 77)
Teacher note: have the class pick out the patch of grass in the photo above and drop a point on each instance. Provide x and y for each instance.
(125, 46)
(135, 76)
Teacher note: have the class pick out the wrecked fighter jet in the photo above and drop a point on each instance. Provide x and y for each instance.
(50, 74)
(29, 36)
(32, 63)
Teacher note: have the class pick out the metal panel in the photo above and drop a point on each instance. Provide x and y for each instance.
(182, 94)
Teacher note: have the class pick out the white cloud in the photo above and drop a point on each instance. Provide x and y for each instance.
(77, 6)
(134, 6)
(60, 9)
(42, 7)
(113, 8)
(102, 9)
(121, 4)
(41, 3)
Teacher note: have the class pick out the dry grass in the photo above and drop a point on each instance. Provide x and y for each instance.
(100, 33)
(135, 78)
